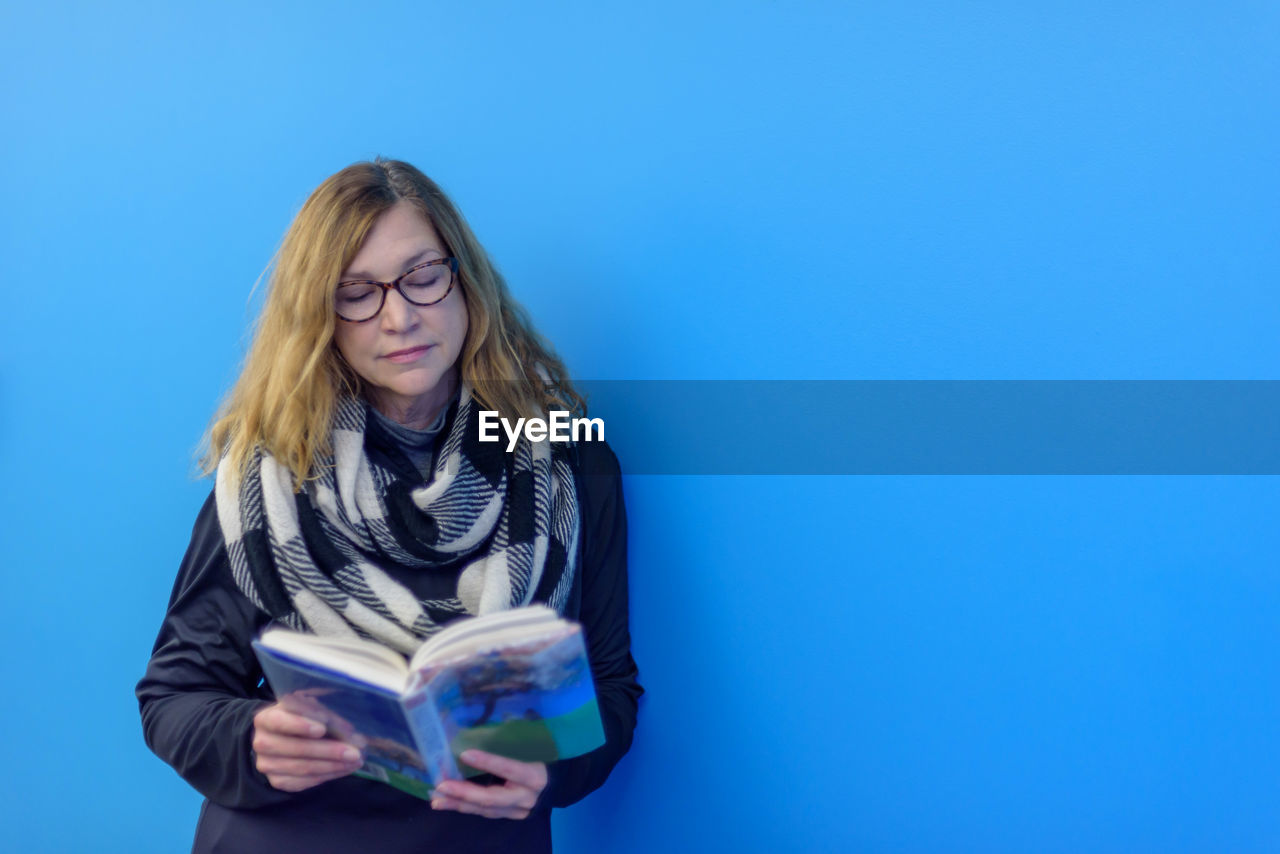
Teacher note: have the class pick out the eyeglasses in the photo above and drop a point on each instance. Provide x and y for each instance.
(425, 284)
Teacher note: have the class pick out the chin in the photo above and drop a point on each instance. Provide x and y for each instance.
(415, 385)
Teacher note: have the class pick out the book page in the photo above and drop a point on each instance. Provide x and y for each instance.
(488, 631)
(362, 659)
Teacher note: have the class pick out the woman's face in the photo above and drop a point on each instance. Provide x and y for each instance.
(407, 354)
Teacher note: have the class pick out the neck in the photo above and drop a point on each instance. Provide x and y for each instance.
(420, 412)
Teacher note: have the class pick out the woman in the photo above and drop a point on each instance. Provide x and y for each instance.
(353, 497)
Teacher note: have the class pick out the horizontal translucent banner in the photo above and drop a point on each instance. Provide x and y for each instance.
(940, 427)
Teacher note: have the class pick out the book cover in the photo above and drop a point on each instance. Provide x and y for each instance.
(379, 723)
(535, 703)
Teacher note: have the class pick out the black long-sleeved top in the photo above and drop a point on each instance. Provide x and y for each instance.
(203, 685)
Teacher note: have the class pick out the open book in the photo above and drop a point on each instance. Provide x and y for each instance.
(516, 683)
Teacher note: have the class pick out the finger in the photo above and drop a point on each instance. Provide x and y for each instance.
(440, 802)
(288, 783)
(276, 719)
(490, 797)
(266, 744)
(291, 767)
(341, 727)
(531, 774)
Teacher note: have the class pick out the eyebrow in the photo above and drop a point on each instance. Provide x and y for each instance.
(423, 255)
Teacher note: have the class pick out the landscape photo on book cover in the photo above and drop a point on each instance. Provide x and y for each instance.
(535, 703)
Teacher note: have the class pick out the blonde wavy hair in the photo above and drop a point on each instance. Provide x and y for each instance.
(284, 399)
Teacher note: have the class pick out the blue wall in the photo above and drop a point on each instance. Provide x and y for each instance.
(758, 190)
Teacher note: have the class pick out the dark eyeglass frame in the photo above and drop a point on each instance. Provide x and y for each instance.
(386, 286)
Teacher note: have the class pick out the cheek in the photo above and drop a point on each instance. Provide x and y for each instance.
(459, 324)
(347, 340)
(463, 324)
(340, 341)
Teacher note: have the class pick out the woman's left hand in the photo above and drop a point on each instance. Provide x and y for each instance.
(513, 799)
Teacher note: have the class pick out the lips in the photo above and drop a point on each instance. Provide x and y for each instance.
(412, 354)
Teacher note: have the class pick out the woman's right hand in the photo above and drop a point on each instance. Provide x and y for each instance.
(293, 753)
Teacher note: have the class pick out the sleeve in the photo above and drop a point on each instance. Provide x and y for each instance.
(603, 614)
(203, 684)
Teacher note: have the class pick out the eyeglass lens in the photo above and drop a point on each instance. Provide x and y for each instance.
(358, 301)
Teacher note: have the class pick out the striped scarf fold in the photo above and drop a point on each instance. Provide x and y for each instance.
(317, 560)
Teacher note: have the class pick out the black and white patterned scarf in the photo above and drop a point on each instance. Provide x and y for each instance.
(316, 560)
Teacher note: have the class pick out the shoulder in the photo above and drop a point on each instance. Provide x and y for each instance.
(206, 532)
(596, 459)
(603, 510)
(208, 515)
(599, 478)
(205, 562)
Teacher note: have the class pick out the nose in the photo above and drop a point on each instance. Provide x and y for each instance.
(398, 314)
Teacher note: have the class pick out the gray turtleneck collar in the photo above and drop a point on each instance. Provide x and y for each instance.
(419, 445)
